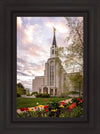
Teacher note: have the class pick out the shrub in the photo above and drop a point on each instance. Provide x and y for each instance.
(73, 92)
(63, 96)
(34, 93)
(28, 94)
(18, 95)
(65, 93)
(45, 95)
(40, 95)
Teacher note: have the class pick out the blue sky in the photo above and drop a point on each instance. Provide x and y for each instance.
(34, 38)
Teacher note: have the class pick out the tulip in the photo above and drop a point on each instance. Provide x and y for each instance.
(45, 106)
(61, 106)
(22, 109)
(46, 110)
(41, 106)
(37, 103)
(35, 107)
(78, 99)
(81, 101)
(30, 109)
(63, 103)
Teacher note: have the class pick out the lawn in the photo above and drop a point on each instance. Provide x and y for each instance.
(31, 102)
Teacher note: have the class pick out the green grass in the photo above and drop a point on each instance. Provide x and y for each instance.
(31, 102)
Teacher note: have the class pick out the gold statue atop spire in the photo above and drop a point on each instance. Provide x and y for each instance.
(54, 29)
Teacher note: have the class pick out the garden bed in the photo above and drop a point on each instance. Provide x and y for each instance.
(73, 108)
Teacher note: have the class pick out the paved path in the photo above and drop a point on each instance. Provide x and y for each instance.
(19, 111)
(66, 101)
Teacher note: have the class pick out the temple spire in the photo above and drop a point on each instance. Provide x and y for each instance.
(53, 48)
(54, 38)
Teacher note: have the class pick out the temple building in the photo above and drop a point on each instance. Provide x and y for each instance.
(54, 75)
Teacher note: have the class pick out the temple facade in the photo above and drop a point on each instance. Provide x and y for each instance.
(54, 75)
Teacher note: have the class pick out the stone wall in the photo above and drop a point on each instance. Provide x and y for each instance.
(37, 83)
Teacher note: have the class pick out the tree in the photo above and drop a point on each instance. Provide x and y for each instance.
(77, 81)
(65, 87)
(28, 92)
(72, 54)
(20, 89)
(20, 85)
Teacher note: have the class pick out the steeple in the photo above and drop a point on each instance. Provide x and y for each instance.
(54, 45)
(54, 38)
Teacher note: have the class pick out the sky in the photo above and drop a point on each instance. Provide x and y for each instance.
(34, 39)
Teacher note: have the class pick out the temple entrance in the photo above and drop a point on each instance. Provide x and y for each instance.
(45, 90)
(39, 90)
(55, 91)
(51, 91)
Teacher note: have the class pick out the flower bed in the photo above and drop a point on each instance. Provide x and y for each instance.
(74, 108)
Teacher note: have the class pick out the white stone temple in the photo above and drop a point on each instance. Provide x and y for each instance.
(54, 75)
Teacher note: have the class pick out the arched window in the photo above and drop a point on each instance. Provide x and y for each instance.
(39, 90)
(52, 72)
(51, 62)
(52, 51)
(55, 91)
(51, 75)
(45, 90)
(51, 91)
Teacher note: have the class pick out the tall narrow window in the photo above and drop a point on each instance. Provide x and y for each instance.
(52, 51)
(51, 73)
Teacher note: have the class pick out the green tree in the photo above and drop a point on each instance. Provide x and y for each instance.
(28, 92)
(20, 89)
(20, 85)
(72, 55)
(77, 81)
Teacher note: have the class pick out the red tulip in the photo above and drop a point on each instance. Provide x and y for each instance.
(46, 110)
(74, 104)
(45, 106)
(78, 99)
(35, 107)
(26, 109)
(22, 109)
(70, 107)
(81, 101)
(63, 103)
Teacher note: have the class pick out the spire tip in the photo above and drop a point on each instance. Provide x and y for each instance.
(54, 29)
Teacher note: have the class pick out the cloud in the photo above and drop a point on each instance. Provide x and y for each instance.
(26, 68)
(34, 38)
(28, 39)
(33, 44)
(23, 74)
(19, 22)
